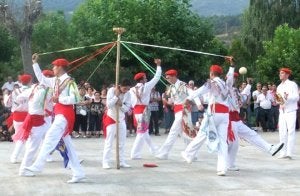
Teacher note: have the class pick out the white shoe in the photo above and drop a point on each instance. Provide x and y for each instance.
(125, 165)
(276, 148)
(185, 157)
(161, 156)
(26, 173)
(49, 159)
(76, 180)
(233, 168)
(221, 173)
(106, 166)
(13, 160)
(32, 169)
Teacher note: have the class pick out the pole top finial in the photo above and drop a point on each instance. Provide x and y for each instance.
(119, 30)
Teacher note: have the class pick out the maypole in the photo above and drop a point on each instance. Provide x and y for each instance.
(119, 31)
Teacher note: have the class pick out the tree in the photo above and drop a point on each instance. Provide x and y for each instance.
(282, 51)
(20, 26)
(261, 20)
(169, 23)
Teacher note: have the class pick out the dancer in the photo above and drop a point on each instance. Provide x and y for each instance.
(65, 96)
(19, 110)
(140, 98)
(34, 127)
(218, 118)
(287, 96)
(178, 93)
(117, 98)
(239, 128)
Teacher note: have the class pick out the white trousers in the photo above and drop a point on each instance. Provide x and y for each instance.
(244, 132)
(221, 122)
(109, 141)
(139, 141)
(53, 135)
(175, 130)
(32, 145)
(18, 144)
(287, 134)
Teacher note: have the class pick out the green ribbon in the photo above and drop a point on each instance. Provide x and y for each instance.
(144, 63)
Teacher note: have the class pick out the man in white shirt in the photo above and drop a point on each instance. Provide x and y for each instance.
(65, 96)
(9, 85)
(118, 98)
(140, 98)
(288, 91)
(256, 106)
(264, 101)
(178, 92)
(19, 110)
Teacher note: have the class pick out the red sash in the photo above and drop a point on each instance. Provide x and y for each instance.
(48, 113)
(235, 117)
(29, 122)
(68, 112)
(19, 116)
(178, 108)
(9, 120)
(106, 120)
(219, 108)
(137, 109)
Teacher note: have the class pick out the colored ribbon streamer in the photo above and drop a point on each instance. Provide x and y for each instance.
(170, 48)
(143, 62)
(100, 62)
(75, 48)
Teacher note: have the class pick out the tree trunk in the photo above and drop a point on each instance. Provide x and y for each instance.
(25, 45)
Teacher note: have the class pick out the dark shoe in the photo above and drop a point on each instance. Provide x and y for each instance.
(157, 134)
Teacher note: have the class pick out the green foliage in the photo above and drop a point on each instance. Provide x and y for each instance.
(261, 20)
(282, 51)
(164, 22)
(9, 64)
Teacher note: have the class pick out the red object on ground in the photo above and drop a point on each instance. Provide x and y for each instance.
(150, 165)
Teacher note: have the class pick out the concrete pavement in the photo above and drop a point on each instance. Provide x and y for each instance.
(260, 174)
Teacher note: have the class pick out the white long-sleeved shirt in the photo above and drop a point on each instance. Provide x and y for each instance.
(289, 87)
(217, 92)
(8, 85)
(111, 104)
(179, 92)
(36, 97)
(68, 96)
(17, 105)
(143, 91)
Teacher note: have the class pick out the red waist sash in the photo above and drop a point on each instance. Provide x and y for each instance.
(19, 116)
(106, 120)
(178, 108)
(219, 108)
(68, 112)
(29, 122)
(234, 116)
(139, 109)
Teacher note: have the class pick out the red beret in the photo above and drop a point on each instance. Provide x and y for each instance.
(60, 62)
(236, 75)
(139, 76)
(48, 73)
(286, 70)
(171, 72)
(216, 68)
(25, 78)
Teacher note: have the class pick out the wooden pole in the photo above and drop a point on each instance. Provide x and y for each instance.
(119, 32)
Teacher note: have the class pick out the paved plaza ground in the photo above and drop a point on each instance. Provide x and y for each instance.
(260, 174)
